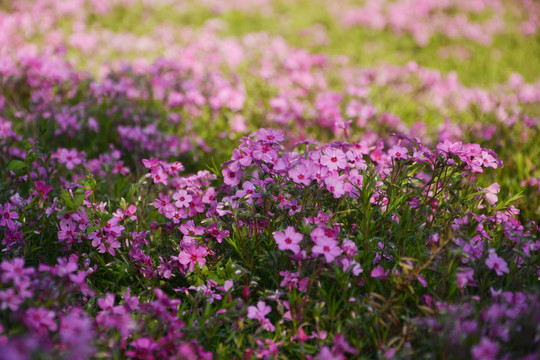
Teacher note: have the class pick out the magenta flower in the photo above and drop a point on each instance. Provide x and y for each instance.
(488, 160)
(378, 272)
(159, 176)
(334, 159)
(182, 198)
(7, 216)
(491, 193)
(40, 319)
(15, 270)
(288, 240)
(150, 163)
(9, 299)
(465, 278)
(161, 202)
(68, 231)
(271, 136)
(68, 157)
(192, 255)
(301, 174)
(327, 247)
(230, 177)
(485, 350)
(495, 262)
(335, 186)
(259, 313)
(398, 152)
(143, 348)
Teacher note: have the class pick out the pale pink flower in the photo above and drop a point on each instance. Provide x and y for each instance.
(288, 240)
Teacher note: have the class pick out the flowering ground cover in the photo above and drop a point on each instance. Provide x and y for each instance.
(249, 179)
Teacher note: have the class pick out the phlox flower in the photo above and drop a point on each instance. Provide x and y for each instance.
(488, 160)
(161, 202)
(7, 216)
(104, 243)
(335, 186)
(9, 299)
(192, 255)
(209, 195)
(159, 176)
(465, 278)
(230, 177)
(485, 350)
(271, 136)
(42, 189)
(195, 206)
(491, 194)
(398, 152)
(333, 159)
(68, 231)
(378, 272)
(68, 157)
(14, 270)
(301, 174)
(327, 247)
(40, 319)
(495, 262)
(150, 164)
(182, 198)
(288, 240)
(143, 348)
(259, 312)
(355, 156)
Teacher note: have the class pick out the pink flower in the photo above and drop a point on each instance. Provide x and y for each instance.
(9, 299)
(230, 177)
(378, 272)
(288, 240)
(68, 157)
(150, 163)
(259, 313)
(465, 278)
(491, 194)
(182, 198)
(335, 186)
(161, 203)
(68, 231)
(485, 350)
(192, 255)
(327, 247)
(301, 174)
(334, 159)
(143, 348)
(40, 319)
(159, 176)
(271, 136)
(7, 216)
(488, 160)
(495, 262)
(15, 270)
(398, 152)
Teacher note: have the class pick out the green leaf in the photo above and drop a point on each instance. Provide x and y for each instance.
(78, 200)
(15, 165)
(65, 195)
